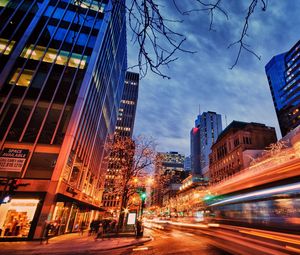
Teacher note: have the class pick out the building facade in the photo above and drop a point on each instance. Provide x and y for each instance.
(236, 146)
(195, 151)
(283, 76)
(208, 126)
(62, 76)
(124, 128)
(187, 164)
(169, 173)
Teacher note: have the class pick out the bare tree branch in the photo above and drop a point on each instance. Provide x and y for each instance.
(156, 37)
(241, 42)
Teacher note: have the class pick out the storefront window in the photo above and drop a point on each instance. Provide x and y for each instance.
(16, 217)
(60, 216)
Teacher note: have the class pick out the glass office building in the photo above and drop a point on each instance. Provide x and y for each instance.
(62, 65)
(124, 128)
(283, 76)
(208, 126)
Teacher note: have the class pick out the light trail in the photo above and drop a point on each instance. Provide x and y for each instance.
(270, 191)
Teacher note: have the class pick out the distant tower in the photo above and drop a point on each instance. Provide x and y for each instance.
(282, 72)
(168, 176)
(208, 126)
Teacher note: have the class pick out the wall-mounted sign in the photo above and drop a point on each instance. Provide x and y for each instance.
(12, 160)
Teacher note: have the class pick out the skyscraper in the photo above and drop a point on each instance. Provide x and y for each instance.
(62, 76)
(124, 128)
(282, 73)
(169, 172)
(195, 150)
(208, 126)
(127, 110)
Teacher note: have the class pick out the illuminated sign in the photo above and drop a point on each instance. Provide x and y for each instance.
(12, 160)
(131, 219)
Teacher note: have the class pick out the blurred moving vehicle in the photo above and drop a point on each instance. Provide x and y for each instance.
(276, 207)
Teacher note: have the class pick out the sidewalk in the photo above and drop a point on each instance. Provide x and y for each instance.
(69, 243)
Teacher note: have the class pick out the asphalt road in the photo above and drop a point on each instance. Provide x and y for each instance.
(170, 243)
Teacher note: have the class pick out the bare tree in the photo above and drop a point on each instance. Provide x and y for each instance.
(156, 36)
(130, 159)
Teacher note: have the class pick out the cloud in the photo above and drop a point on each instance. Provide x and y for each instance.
(167, 108)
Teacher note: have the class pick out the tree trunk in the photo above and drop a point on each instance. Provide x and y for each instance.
(122, 213)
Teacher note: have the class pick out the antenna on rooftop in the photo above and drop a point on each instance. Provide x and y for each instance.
(226, 120)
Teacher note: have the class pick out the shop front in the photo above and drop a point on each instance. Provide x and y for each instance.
(17, 217)
(71, 215)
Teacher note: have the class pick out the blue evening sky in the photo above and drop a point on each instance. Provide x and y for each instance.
(167, 108)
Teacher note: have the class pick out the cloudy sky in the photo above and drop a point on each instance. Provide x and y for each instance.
(167, 108)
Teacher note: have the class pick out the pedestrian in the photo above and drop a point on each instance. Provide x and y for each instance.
(82, 227)
(112, 225)
(46, 233)
(99, 234)
(92, 227)
(139, 229)
(105, 225)
(96, 226)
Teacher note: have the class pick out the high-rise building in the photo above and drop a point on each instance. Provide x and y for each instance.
(195, 151)
(124, 128)
(187, 164)
(169, 173)
(282, 72)
(127, 110)
(236, 145)
(62, 76)
(208, 126)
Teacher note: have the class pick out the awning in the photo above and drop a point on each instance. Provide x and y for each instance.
(81, 204)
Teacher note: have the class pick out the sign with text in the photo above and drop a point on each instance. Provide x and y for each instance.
(12, 160)
(131, 219)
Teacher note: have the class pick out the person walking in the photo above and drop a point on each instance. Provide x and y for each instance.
(139, 229)
(100, 232)
(82, 227)
(46, 233)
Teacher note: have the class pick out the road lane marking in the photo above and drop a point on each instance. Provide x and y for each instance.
(189, 234)
(140, 249)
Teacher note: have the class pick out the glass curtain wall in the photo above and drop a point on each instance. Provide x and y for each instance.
(39, 94)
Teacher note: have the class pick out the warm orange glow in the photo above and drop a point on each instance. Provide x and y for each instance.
(150, 181)
(24, 79)
(292, 249)
(273, 237)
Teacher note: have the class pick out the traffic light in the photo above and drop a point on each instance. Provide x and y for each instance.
(12, 187)
(143, 195)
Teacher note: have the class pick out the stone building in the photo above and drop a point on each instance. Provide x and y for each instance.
(236, 146)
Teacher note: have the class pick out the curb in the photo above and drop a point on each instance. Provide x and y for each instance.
(127, 245)
(79, 251)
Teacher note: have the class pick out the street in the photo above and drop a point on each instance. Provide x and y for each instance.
(173, 242)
